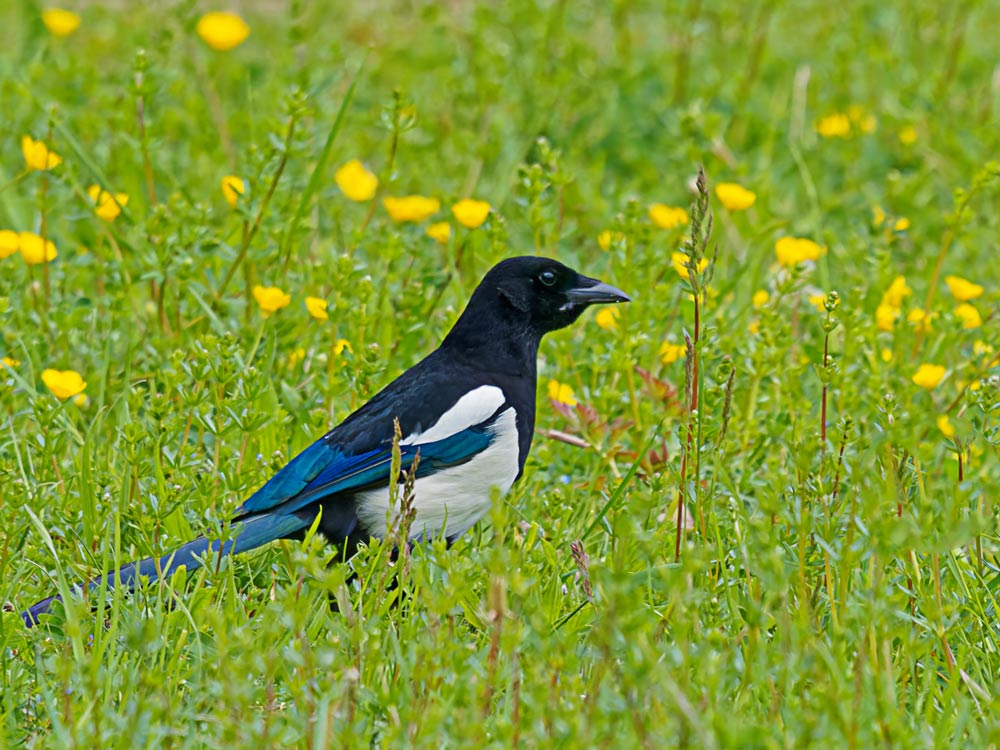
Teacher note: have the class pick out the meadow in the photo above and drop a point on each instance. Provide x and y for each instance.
(760, 509)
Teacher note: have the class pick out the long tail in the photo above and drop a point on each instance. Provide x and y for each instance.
(252, 533)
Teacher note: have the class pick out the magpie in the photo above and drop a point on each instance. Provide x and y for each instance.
(466, 414)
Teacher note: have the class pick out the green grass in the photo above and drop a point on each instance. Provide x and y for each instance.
(828, 593)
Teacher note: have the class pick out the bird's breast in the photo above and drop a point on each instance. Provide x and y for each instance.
(452, 499)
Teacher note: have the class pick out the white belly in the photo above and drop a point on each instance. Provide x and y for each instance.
(452, 500)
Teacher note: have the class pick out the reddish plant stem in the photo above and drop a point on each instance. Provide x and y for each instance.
(822, 428)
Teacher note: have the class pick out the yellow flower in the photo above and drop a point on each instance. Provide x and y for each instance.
(885, 317)
(818, 301)
(734, 197)
(981, 349)
(754, 326)
(317, 308)
(297, 355)
(108, 207)
(81, 400)
(270, 298)
(679, 261)
(10, 361)
(837, 125)
(439, 231)
(901, 225)
(671, 352)
(9, 243)
(222, 31)
(471, 213)
(667, 217)
(561, 393)
(896, 292)
(605, 238)
(760, 298)
(969, 315)
(34, 250)
(63, 383)
(929, 376)
(340, 345)
(37, 154)
(356, 182)
(413, 208)
(607, 318)
(794, 250)
(944, 424)
(908, 135)
(878, 215)
(60, 22)
(921, 318)
(962, 289)
(886, 355)
(866, 121)
(232, 188)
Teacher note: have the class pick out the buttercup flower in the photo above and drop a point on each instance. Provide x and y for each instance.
(232, 188)
(901, 224)
(962, 289)
(340, 345)
(679, 261)
(671, 352)
(60, 22)
(944, 424)
(108, 207)
(837, 125)
(439, 231)
(734, 197)
(37, 154)
(607, 318)
(561, 393)
(865, 121)
(9, 243)
(929, 376)
(908, 135)
(886, 316)
(760, 298)
(34, 250)
(10, 361)
(222, 31)
(471, 213)
(63, 383)
(886, 354)
(605, 238)
(317, 308)
(413, 208)
(270, 298)
(878, 215)
(356, 182)
(896, 292)
(667, 217)
(818, 301)
(791, 251)
(921, 319)
(969, 315)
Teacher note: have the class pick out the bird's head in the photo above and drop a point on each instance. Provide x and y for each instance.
(537, 295)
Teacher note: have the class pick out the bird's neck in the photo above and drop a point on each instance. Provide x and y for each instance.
(501, 345)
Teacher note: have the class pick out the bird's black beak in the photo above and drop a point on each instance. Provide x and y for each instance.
(593, 291)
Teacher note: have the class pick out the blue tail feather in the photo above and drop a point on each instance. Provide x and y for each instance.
(251, 533)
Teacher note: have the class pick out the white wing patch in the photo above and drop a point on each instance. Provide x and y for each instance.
(473, 408)
(453, 500)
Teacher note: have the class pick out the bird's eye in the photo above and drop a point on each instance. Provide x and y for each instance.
(547, 277)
